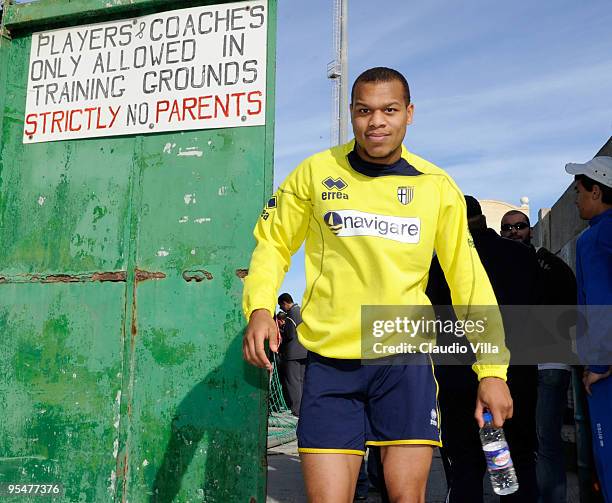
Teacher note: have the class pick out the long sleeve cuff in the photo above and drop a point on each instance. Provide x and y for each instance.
(483, 371)
(249, 312)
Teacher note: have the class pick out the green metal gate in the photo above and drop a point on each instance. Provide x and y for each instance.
(121, 266)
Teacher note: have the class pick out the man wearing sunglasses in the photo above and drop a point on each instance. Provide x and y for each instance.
(515, 225)
(557, 285)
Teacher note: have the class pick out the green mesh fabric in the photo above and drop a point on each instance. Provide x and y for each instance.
(281, 423)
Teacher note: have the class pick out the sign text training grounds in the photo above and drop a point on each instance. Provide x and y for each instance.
(196, 68)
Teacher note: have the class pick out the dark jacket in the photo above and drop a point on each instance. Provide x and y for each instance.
(291, 349)
(557, 280)
(512, 268)
(557, 288)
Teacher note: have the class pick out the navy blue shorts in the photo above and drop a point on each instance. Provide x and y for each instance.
(347, 406)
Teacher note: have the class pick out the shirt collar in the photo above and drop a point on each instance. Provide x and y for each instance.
(401, 167)
(600, 217)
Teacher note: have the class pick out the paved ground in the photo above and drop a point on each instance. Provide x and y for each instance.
(285, 484)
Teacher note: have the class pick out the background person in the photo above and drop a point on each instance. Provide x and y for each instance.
(281, 320)
(557, 286)
(594, 277)
(293, 354)
(513, 271)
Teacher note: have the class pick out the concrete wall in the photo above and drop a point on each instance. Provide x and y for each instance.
(559, 227)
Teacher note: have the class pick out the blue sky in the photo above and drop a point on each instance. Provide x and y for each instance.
(505, 93)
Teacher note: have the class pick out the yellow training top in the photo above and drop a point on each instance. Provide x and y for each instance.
(370, 235)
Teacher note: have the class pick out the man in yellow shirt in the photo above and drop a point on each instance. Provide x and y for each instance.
(372, 214)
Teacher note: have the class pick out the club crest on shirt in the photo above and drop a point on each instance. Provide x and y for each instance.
(405, 194)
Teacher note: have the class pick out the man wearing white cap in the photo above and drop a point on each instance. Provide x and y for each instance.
(594, 278)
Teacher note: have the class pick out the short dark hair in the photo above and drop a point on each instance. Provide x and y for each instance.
(382, 74)
(473, 206)
(517, 212)
(285, 297)
(589, 183)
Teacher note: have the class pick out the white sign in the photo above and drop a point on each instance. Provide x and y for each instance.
(196, 68)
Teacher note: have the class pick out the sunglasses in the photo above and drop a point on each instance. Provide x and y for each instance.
(519, 226)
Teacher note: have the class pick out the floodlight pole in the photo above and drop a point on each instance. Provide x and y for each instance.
(337, 71)
(344, 97)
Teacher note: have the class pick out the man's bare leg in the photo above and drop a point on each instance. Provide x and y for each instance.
(330, 478)
(406, 470)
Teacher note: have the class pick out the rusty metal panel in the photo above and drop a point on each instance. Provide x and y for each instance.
(60, 387)
(60, 217)
(190, 440)
(63, 207)
(121, 264)
(189, 418)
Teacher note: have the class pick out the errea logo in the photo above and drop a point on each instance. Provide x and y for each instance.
(337, 185)
(349, 223)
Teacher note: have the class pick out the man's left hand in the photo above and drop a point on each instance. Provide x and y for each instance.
(493, 394)
(590, 378)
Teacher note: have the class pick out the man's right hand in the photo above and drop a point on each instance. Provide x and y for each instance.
(261, 327)
(493, 394)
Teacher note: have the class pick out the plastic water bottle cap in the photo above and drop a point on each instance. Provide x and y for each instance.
(488, 417)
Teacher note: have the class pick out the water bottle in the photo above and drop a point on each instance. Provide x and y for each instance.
(497, 454)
